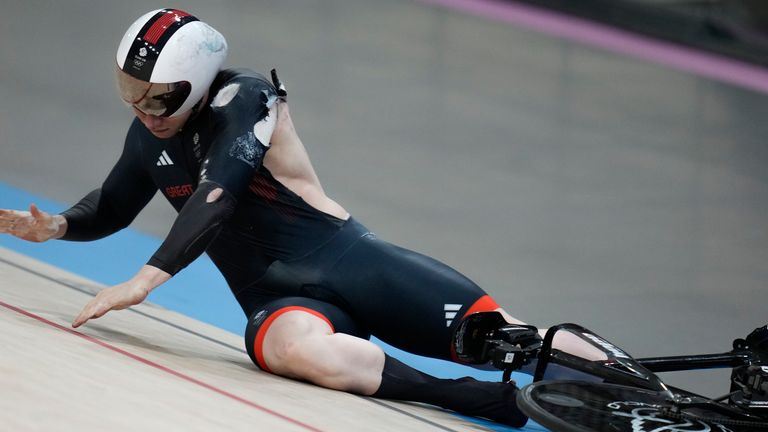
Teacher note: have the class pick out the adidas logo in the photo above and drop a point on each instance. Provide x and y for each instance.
(450, 313)
(164, 159)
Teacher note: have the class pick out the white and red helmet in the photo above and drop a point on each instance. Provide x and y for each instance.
(167, 60)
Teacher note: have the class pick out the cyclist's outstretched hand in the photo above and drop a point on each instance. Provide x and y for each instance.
(34, 225)
(117, 297)
(126, 294)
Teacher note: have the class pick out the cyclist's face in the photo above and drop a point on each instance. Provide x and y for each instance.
(162, 127)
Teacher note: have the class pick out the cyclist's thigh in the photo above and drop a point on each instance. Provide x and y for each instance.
(269, 311)
(407, 299)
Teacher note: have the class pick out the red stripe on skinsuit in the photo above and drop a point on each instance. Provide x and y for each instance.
(483, 304)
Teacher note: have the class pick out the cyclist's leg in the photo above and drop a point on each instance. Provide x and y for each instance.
(294, 337)
(404, 298)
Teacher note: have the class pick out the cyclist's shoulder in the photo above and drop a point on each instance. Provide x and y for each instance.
(241, 86)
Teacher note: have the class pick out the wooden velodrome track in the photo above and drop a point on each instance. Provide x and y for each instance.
(149, 368)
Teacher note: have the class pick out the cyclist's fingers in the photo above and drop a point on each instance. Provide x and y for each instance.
(11, 220)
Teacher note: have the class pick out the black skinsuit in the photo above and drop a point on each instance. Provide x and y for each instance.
(274, 249)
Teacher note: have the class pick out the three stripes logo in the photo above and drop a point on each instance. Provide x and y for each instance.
(164, 159)
(450, 312)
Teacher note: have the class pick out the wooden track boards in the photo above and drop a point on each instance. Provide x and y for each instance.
(149, 368)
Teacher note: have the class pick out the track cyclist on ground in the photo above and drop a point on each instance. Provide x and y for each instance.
(220, 145)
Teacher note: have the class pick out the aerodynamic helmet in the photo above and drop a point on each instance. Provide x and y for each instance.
(167, 60)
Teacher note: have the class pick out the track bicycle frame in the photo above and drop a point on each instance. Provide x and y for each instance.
(621, 368)
(609, 370)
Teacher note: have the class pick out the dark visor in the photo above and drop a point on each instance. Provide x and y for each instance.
(158, 99)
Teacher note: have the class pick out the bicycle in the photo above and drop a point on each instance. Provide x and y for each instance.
(621, 393)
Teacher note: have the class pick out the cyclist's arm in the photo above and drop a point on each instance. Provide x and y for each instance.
(245, 115)
(233, 158)
(112, 207)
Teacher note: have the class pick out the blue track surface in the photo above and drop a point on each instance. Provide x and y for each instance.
(199, 291)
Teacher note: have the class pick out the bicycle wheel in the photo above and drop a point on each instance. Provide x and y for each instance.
(578, 406)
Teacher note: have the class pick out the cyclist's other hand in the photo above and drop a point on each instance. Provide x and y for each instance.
(34, 225)
(116, 297)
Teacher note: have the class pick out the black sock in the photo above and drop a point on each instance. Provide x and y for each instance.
(492, 400)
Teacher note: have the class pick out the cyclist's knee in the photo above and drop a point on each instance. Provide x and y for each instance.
(290, 345)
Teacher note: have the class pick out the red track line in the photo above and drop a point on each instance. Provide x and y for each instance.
(159, 367)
